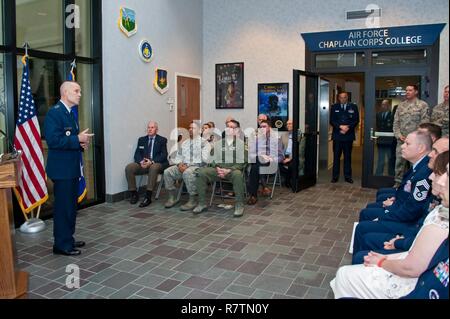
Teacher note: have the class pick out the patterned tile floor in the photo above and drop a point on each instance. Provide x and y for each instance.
(288, 247)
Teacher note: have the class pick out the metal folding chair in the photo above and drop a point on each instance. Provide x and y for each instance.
(276, 181)
(218, 185)
(143, 181)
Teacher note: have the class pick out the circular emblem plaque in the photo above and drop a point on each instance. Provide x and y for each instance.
(279, 124)
(145, 51)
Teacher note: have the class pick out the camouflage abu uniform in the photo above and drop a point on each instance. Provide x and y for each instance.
(407, 119)
(439, 116)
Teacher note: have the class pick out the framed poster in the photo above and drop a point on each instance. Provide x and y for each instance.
(230, 86)
(273, 100)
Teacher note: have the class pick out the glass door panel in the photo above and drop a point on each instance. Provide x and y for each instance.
(306, 100)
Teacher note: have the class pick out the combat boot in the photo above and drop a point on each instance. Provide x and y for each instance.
(172, 201)
(199, 209)
(190, 205)
(238, 210)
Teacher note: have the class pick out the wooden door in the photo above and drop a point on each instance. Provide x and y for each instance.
(188, 100)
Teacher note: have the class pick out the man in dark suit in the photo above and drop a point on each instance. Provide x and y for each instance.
(150, 158)
(65, 143)
(385, 122)
(344, 119)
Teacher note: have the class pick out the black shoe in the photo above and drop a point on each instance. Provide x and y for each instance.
(73, 252)
(349, 180)
(134, 197)
(334, 179)
(79, 244)
(147, 201)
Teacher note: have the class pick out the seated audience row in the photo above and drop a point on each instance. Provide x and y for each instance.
(404, 234)
(205, 157)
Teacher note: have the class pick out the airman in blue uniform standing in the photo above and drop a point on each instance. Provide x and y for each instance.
(344, 118)
(65, 142)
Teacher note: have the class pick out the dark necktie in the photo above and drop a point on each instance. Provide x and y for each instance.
(150, 148)
(343, 107)
(72, 116)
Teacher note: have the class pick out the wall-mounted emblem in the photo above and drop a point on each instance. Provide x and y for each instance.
(127, 21)
(145, 51)
(161, 82)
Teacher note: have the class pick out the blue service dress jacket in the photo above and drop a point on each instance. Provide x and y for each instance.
(61, 134)
(349, 116)
(412, 197)
(159, 150)
(433, 283)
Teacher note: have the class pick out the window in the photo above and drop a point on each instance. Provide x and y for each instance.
(45, 79)
(1, 22)
(3, 140)
(83, 32)
(412, 57)
(40, 23)
(85, 116)
(336, 60)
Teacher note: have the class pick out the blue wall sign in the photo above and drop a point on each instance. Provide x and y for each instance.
(380, 38)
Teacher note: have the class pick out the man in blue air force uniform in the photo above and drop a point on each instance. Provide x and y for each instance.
(412, 198)
(389, 237)
(344, 118)
(65, 143)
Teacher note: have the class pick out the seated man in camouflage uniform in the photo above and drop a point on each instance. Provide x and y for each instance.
(228, 162)
(194, 153)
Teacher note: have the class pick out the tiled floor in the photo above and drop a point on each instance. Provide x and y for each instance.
(289, 247)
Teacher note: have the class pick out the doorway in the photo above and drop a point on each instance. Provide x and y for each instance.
(188, 100)
(386, 89)
(354, 85)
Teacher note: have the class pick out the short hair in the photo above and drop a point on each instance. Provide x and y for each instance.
(65, 85)
(343, 92)
(211, 124)
(235, 122)
(424, 139)
(154, 123)
(195, 123)
(440, 163)
(446, 87)
(434, 129)
(415, 86)
(267, 122)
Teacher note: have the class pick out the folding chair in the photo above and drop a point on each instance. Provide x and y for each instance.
(276, 181)
(143, 181)
(161, 183)
(223, 192)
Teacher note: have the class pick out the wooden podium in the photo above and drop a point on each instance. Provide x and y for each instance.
(13, 283)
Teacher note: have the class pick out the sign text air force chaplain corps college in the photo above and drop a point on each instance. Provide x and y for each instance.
(380, 38)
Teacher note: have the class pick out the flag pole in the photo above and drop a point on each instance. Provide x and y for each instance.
(39, 211)
(32, 225)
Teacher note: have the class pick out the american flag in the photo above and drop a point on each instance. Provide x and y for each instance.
(82, 190)
(32, 190)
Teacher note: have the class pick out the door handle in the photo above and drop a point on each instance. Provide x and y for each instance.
(372, 135)
(299, 135)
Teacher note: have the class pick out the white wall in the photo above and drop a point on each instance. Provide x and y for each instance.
(174, 29)
(265, 35)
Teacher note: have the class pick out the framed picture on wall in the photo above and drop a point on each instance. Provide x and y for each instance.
(273, 100)
(230, 86)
